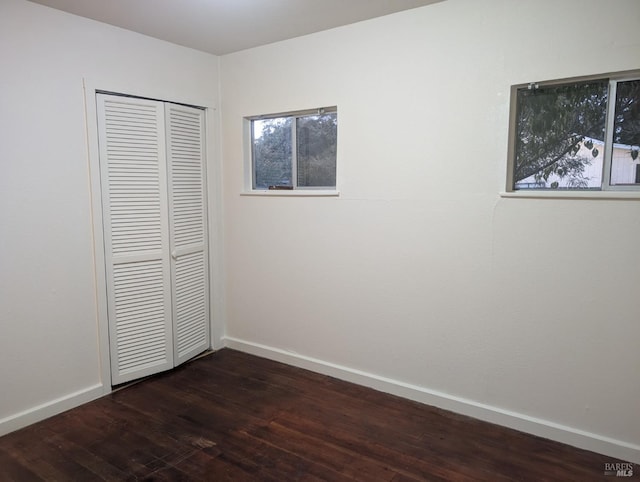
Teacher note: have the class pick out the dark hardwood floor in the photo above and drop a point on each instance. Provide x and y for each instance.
(233, 416)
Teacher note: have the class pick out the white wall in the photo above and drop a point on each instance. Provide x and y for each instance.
(49, 357)
(420, 279)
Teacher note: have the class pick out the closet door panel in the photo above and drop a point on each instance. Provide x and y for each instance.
(135, 214)
(187, 211)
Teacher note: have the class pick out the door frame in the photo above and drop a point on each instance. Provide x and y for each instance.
(214, 207)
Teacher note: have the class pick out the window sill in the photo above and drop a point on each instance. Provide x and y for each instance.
(631, 195)
(292, 193)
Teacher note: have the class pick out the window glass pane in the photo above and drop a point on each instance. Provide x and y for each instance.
(272, 152)
(316, 150)
(559, 138)
(626, 134)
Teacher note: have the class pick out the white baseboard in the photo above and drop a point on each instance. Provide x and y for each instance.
(524, 423)
(49, 409)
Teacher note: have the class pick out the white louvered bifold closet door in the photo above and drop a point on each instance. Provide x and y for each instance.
(187, 211)
(136, 233)
(154, 213)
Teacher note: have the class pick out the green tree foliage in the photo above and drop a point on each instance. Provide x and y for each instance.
(272, 152)
(552, 124)
(317, 141)
(315, 151)
(627, 116)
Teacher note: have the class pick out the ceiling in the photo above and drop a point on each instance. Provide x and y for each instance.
(224, 26)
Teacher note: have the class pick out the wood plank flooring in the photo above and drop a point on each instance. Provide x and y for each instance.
(236, 417)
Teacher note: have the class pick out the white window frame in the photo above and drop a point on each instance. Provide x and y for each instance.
(250, 172)
(606, 189)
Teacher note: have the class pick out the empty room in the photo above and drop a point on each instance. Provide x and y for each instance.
(319, 240)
